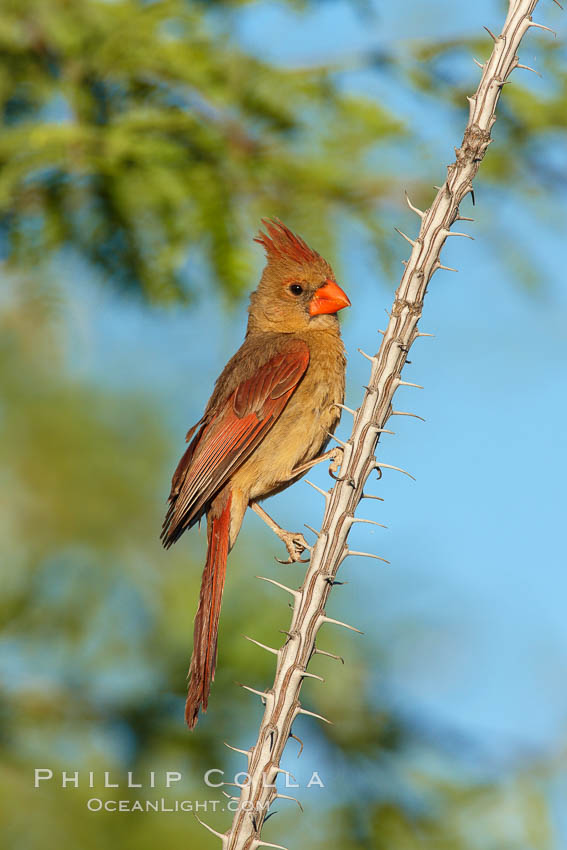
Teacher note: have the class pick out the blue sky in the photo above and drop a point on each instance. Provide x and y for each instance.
(472, 609)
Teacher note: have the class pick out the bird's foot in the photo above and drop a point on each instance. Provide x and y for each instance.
(296, 544)
(336, 456)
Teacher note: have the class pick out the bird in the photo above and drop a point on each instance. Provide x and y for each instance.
(272, 412)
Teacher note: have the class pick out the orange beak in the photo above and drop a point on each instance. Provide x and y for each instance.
(329, 298)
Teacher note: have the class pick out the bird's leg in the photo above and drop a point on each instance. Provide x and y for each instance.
(336, 455)
(295, 542)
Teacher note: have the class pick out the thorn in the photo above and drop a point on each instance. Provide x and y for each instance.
(287, 772)
(325, 619)
(318, 651)
(220, 835)
(397, 468)
(557, 3)
(401, 383)
(528, 68)
(420, 334)
(259, 843)
(541, 27)
(340, 442)
(295, 593)
(419, 212)
(464, 218)
(230, 796)
(411, 241)
(261, 645)
(367, 496)
(476, 62)
(291, 735)
(384, 431)
(438, 188)
(368, 357)
(252, 690)
(381, 332)
(405, 413)
(439, 265)
(306, 674)
(310, 527)
(313, 714)
(287, 797)
(236, 750)
(491, 34)
(344, 407)
(454, 233)
(365, 555)
(369, 521)
(319, 490)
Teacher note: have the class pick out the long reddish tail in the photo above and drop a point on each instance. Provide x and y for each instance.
(205, 634)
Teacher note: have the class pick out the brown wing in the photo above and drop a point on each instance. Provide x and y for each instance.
(222, 444)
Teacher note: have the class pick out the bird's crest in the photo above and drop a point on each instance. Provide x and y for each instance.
(281, 243)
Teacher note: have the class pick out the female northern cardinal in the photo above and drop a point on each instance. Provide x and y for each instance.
(271, 413)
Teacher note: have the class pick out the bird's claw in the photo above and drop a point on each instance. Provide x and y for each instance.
(296, 544)
(336, 461)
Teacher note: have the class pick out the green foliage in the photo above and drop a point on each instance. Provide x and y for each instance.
(141, 135)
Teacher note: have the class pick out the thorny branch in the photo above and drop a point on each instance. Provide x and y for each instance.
(281, 701)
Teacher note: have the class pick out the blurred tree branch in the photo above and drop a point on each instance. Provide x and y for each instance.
(141, 135)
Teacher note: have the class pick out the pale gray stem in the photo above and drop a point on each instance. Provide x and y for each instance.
(281, 701)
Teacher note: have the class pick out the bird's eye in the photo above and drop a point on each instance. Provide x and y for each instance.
(296, 289)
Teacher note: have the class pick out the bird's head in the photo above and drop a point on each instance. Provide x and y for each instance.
(298, 290)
